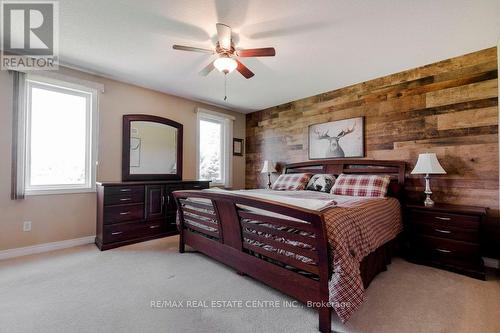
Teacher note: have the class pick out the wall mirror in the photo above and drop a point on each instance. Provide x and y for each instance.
(151, 148)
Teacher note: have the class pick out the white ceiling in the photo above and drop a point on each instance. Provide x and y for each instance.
(321, 45)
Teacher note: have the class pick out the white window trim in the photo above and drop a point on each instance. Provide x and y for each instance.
(226, 144)
(57, 78)
(92, 130)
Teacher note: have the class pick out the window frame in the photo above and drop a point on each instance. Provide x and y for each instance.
(91, 130)
(227, 132)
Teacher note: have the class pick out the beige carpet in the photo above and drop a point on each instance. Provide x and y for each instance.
(85, 290)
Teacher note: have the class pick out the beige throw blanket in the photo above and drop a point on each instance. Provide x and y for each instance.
(304, 199)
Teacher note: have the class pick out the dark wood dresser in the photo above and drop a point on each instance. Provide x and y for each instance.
(446, 236)
(136, 211)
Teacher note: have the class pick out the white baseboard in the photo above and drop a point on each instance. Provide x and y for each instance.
(40, 248)
(492, 263)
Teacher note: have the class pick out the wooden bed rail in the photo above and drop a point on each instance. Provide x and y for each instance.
(280, 245)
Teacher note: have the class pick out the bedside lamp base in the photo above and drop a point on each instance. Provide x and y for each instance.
(428, 201)
(268, 168)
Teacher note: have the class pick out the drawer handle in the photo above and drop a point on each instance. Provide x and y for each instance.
(443, 231)
(443, 251)
(125, 199)
(154, 226)
(124, 213)
(117, 233)
(196, 186)
(442, 218)
(125, 190)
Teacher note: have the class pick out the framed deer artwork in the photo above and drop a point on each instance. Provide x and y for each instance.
(337, 139)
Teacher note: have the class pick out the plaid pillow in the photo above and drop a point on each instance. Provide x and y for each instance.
(361, 185)
(291, 182)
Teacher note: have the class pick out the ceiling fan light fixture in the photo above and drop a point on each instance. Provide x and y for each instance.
(225, 64)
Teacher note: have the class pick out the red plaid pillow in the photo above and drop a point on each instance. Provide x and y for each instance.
(361, 185)
(291, 182)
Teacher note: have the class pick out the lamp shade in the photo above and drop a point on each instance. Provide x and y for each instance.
(428, 164)
(268, 167)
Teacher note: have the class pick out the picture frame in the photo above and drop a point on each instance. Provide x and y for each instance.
(238, 147)
(337, 139)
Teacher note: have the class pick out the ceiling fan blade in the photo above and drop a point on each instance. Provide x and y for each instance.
(244, 70)
(190, 48)
(207, 69)
(262, 52)
(224, 36)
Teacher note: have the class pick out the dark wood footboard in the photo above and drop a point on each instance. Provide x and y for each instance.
(287, 252)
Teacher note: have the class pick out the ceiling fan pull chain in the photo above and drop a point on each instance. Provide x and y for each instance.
(225, 87)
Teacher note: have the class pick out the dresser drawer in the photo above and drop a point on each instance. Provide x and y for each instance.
(123, 195)
(446, 219)
(127, 189)
(123, 213)
(127, 231)
(443, 230)
(439, 248)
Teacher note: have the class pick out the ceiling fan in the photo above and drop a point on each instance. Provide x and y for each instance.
(227, 54)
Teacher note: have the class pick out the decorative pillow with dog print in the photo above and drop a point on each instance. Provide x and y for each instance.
(321, 183)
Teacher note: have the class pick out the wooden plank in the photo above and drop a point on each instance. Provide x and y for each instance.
(200, 213)
(277, 221)
(279, 233)
(227, 215)
(467, 70)
(470, 92)
(469, 118)
(203, 231)
(309, 253)
(197, 204)
(282, 258)
(447, 141)
(191, 219)
(455, 182)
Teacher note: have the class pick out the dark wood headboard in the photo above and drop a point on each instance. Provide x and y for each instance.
(395, 169)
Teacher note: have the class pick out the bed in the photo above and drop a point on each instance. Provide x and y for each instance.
(309, 254)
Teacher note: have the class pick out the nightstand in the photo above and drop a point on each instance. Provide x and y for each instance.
(445, 236)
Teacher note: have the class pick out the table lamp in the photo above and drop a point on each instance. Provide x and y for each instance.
(428, 164)
(268, 167)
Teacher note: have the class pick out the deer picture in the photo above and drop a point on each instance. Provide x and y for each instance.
(334, 148)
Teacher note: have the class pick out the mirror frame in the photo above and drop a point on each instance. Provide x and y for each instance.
(126, 175)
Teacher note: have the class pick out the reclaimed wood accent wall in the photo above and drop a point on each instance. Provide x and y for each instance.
(449, 107)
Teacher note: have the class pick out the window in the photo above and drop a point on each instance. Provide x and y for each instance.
(60, 141)
(213, 147)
